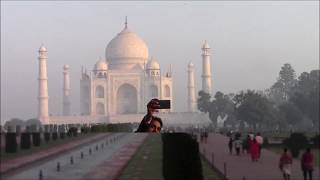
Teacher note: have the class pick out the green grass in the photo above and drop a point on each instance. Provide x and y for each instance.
(208, 172)
(315, 152)
(24, 152)
(147, 162)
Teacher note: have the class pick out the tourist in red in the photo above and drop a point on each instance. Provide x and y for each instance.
(307, 164)
(285, 164)
(254, 150)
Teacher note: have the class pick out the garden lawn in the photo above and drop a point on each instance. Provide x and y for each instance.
(147, 162)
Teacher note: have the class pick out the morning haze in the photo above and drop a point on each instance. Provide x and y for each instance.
(250, 41)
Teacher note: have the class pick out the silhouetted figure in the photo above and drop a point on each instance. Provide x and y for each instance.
(230, 144)
(307, 161)
(285, 164)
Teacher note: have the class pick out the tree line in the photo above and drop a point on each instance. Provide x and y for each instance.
(291, 103)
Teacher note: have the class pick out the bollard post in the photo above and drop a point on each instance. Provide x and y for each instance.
(102, 145)
(90, 151)
(58, 166)
(81, 155)
(225, 169)
(40, 175)
(71, 160)
(244, 177)
(96, 147)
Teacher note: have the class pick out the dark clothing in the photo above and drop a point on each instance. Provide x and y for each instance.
(143, 127)
(306, 173)
(230, 145)
(307, 165)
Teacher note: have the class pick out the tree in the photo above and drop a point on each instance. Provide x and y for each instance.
(291, 113)
(204, 101)
(13, 123)
(281, 89)
(253, 108)
(306, 95)
(224, 106)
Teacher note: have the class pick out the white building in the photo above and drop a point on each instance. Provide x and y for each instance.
(125, 81)
(119, 87)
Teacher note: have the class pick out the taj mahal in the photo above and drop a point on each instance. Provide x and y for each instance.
(119, 86)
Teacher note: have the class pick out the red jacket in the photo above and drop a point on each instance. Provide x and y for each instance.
(285, 159)
(307, 161)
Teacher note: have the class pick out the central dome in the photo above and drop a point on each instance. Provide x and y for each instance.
(126, 50)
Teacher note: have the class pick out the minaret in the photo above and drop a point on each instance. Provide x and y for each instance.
(43, 98)
(192, 102)
(66, 91)
(206, 69)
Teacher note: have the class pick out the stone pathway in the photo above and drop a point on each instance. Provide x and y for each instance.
(112, 168)
(19, 162)
(241, 167)
(95, 156)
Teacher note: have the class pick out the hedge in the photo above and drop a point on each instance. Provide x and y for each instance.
(11, 142)
(25, 140)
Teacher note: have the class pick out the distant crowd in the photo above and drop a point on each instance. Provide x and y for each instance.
(252, 144)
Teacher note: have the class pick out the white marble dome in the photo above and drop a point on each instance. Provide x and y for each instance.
(101, 65)
(127, 48)
(153, 64)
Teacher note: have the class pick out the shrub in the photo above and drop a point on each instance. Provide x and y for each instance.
(36, 139)
(11, 142)
(25, 141)
(316, 141)
(62, 135)
(73, 131)
(296, 142)
(266, 141)
(54, 136)
(47, 137)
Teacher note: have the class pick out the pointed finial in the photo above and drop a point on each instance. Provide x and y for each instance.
(126, 23)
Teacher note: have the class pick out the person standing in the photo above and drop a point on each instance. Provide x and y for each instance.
(254, 150)
(307, 161)
(259, 140)
(285, 164)
(230, 144)
(237, 145)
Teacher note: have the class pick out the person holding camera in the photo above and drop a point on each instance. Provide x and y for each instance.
(151, 123)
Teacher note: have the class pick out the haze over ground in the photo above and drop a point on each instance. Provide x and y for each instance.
(250, 42)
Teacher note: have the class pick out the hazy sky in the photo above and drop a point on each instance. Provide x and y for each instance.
(250, 42)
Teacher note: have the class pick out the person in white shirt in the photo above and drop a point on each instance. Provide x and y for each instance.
(259, 140)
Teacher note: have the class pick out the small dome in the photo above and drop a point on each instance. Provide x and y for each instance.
(153, 64)
(205, 45)
(127, 47)
(66, 66)
(190, 64)
(42, 49)
(101, 65)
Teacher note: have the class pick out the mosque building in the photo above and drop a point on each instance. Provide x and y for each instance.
(119, 86)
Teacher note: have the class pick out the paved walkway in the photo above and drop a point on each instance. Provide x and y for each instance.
(241, 167)
(19, 162)
(111, 169)
(102, 159)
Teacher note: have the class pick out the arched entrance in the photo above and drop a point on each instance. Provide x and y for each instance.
(127, 102)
